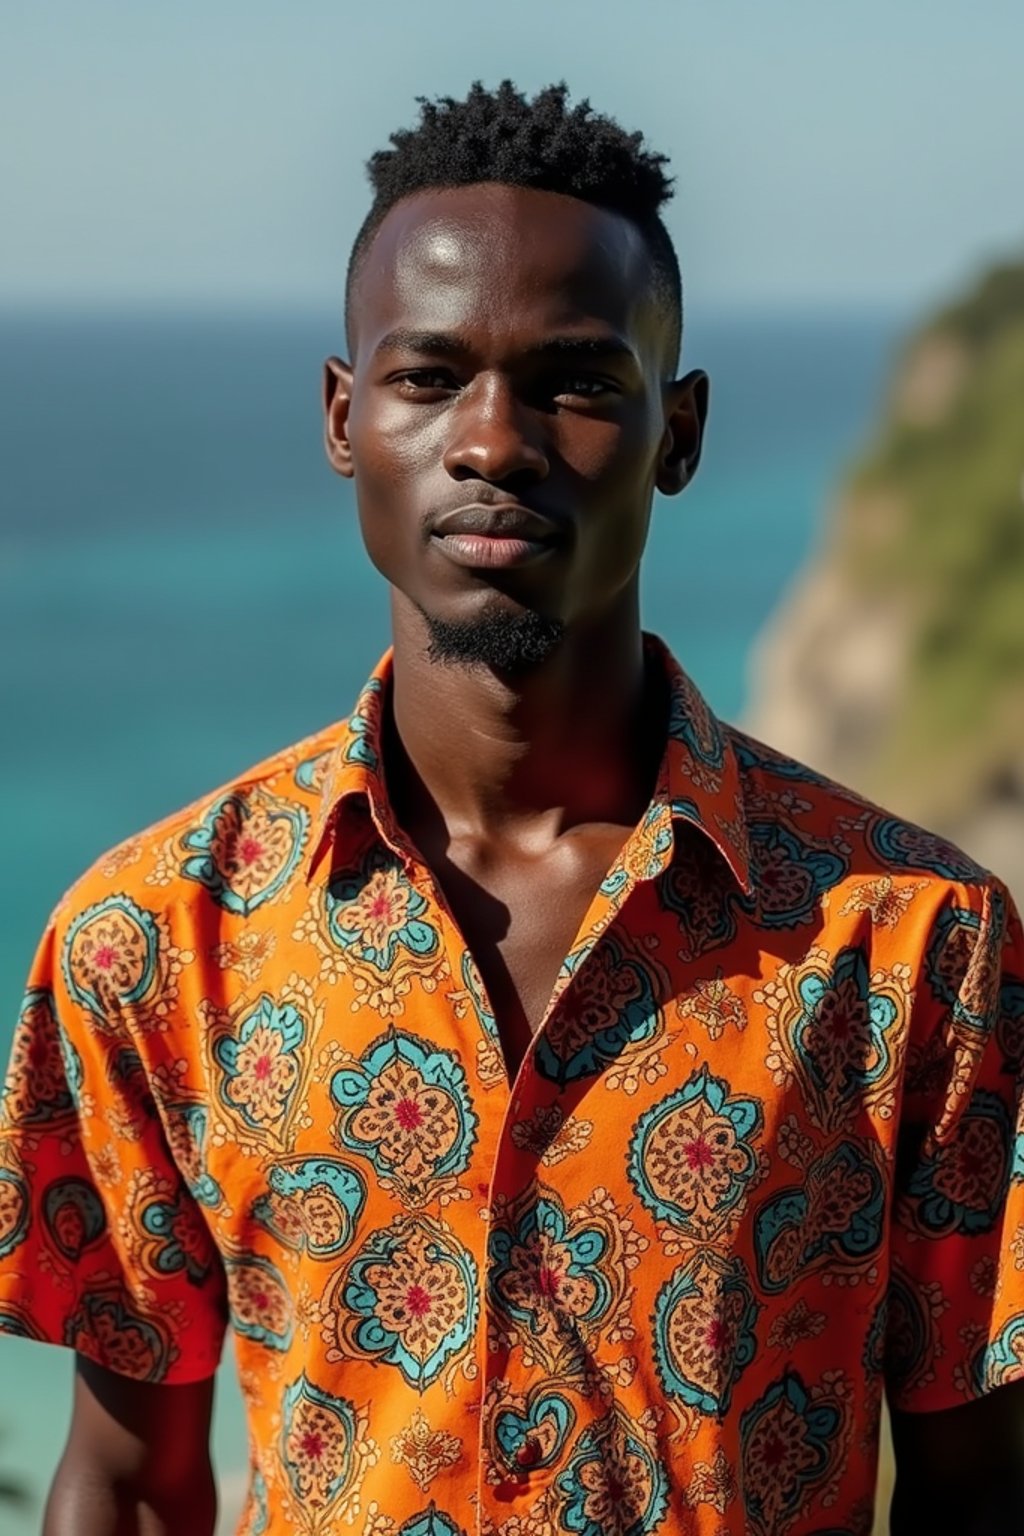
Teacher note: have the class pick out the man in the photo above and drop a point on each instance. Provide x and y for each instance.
(580, 1112)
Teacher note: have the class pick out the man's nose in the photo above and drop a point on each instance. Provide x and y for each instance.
(493, 436)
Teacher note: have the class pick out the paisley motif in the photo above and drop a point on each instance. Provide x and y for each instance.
(410, 1299)
(614, 1483)
(902, 844)
(1003, 1360)
(170, 1237)
(834, 1219)
(74, 1217)
(529, 1433)
(15, 1211)
(611, 1011)
(835, 1030)
(912, 1342)
(246, 848)
(694, 1158)
(960, 1186)
(106, 1328)
(260, 1301)
(558, 1279)
(325, 1453)
(405, 1107)
(704, 1339)
(376, 915)
(263, 1067)
(962, 965)
(111, 954)
(792, 1441)
(790, 876)
(312, 1206)
(186, 1125)
(45, 1075)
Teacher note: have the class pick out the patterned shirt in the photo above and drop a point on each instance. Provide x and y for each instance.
(758, 1165)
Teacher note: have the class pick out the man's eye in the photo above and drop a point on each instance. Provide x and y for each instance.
(581, 386)
(416, 379)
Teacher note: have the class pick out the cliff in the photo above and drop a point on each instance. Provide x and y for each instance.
(897, 663)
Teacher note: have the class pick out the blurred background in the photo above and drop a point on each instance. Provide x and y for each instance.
(182, 587)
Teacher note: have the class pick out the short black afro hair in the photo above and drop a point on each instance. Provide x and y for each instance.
(500, 136)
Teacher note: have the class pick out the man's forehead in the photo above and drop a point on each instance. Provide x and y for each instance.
(461, 251)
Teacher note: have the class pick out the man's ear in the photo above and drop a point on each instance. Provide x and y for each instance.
(337, 400)
(687, 402)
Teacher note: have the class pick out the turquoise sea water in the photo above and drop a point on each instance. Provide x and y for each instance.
(183, 591)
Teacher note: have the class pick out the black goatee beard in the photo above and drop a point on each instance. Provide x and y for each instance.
(512, 643)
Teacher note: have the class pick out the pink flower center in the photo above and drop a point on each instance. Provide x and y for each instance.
(260, 1300)
(417, 1300)
(249, 850)
(715, 1337)
(262, 1068)
(699, 1154)
(548, 1281)
(312, 1445)
(408, 1114)
(105, 956)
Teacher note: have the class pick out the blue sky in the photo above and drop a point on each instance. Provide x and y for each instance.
(827, 153)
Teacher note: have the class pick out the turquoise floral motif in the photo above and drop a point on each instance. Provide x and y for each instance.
(261, 1064)
(405, 1106)
(187, 1125)
(74, 1217)
(431, 1522)
(481, 1006)
(693, 724)
(789, 1443)
(179, 1241)
(951, 958)
(841, 1035)
(245, 849)
(46, 1071)
(1003, 1359)
(693, 1156)
(412, 1298)
(106, 1328)
(375, 913)
(960, 1186)
(536, 1435)
(613, 1482)
(15, 1211)
(259, 1301)
(790, 876)
(704, 1339)
(313, 1205)
(834, 1218)
(319, 1434)
(556, 1276)
(110, 956)
(909, 847)
(363, 725)
(610, 1007)
(308, 774)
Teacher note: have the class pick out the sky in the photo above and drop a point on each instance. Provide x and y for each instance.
(210, 152)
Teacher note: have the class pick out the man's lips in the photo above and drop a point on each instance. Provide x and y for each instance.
(489, 537)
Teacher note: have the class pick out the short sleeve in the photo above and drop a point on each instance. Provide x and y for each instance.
(103, 1247)
(955, 1304)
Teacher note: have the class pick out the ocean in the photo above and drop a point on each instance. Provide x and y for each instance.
(183, 590)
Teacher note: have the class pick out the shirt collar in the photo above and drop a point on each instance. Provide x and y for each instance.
(699, 781)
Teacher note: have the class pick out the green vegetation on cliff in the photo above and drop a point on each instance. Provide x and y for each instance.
(935, 524)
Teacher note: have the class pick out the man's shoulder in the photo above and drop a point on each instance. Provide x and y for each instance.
(238, 843)
(779, 793)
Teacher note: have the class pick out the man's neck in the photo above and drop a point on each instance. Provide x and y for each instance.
(575, 741)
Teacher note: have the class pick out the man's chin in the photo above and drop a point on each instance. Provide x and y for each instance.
(507, 641)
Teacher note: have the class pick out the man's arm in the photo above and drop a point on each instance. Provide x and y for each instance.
(137, 1461)
(961, 1470)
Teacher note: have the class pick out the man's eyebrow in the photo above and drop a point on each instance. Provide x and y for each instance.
(450, 344)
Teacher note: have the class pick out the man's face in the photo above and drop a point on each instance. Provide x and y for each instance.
(507, 416)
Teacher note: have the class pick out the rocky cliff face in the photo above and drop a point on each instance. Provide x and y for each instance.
(897, 663)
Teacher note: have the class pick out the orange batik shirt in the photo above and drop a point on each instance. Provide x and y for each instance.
(759, 1166)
